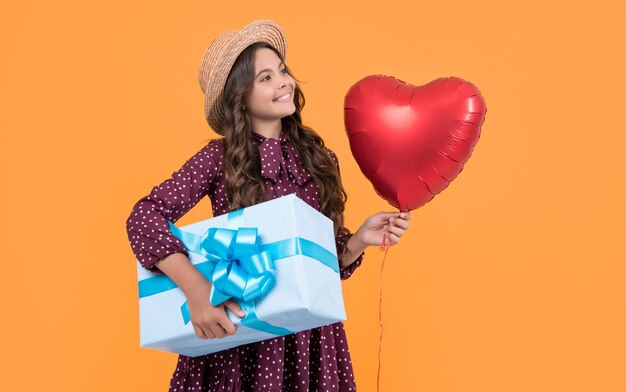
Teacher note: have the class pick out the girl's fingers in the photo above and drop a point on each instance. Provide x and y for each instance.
(406, 215)
(385, 215)
(205, 333)
(199, 332)
(395, 230)
(218, 330)
(208, 332)
(393, 238)
(399, 222)
(396, 215)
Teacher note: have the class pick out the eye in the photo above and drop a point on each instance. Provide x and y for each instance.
(283, 71)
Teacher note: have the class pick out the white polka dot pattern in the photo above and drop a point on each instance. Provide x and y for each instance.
(313, 360)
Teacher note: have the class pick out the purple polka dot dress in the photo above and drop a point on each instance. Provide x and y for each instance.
(313, 360)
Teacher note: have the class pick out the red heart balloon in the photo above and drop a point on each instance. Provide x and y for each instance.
(412, 141)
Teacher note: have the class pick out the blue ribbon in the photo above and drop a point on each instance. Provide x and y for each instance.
(238, 266)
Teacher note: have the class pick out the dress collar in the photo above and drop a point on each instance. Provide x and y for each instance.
(277, 153)
(283, 137)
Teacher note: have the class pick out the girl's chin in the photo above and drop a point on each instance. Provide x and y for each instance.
(283, 108)
(288, 103)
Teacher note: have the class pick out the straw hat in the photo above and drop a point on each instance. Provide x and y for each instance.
(220, 56)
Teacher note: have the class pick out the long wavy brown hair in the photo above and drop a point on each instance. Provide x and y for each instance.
(242, 163)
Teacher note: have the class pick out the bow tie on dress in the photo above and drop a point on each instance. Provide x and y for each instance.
(277, 153)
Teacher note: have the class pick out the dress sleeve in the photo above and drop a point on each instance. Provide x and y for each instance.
(148, 232)
(343, 235)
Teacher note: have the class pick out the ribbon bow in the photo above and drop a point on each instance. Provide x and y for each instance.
(241, 269)
(277, 153)
(237, 265)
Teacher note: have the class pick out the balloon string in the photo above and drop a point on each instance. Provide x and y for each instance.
(383, 247)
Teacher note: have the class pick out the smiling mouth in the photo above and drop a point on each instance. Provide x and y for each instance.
(284, 98)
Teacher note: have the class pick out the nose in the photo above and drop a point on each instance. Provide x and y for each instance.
(283, 81)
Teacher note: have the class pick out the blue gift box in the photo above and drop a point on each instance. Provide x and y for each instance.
(277, 259)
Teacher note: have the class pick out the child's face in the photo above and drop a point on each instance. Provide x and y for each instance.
(271, 81)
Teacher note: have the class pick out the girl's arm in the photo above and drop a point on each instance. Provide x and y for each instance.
(354, 248)
(350, 253)
(179, 268)
(148, 232)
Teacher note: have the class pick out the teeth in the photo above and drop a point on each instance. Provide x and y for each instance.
(283, 98)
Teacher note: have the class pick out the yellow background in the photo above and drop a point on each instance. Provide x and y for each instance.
(512, 279)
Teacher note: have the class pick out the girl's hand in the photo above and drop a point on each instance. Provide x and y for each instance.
(392, 223)
(210, 321)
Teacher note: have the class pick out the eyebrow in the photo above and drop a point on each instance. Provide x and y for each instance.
(267, 69)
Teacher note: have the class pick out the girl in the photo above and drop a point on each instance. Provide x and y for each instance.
(253, 101)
